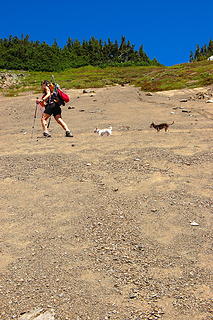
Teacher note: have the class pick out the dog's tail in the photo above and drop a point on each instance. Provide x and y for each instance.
(171, 123)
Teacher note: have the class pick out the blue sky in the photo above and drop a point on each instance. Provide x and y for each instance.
(168, 30)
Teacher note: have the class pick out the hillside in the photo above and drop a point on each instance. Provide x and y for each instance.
(108, 228)
(188, 75)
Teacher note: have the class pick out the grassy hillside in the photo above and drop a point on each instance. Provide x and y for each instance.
(187, 75)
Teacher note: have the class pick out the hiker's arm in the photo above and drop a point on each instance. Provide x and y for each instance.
(48, 93)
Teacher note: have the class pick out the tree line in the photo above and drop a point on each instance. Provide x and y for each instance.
(24, 54)
(202, 53)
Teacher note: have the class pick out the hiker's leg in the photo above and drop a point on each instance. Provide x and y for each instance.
(61, 122)
(44, 118)
(64, 126)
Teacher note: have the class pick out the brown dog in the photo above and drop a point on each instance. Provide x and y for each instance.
(161, 126)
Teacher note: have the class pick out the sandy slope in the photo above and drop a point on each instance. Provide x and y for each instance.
(110, 240)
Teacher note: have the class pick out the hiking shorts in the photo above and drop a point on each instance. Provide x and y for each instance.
(52, 109)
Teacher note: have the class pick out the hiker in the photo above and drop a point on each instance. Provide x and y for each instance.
(52, 107)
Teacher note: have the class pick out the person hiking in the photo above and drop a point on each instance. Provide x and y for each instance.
(52, 107)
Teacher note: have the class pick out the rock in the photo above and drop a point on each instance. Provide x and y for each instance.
(202, 95)
(37, 314)
(209, 101)
(193, 223)
(9, 79)
(149, 94)
(88, 91)
(186, 110)
(183, 100)
(210, 58)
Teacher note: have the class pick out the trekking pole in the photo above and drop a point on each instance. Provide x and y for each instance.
(53, 79)
(74, 99)
(48, 123)
(33, 126)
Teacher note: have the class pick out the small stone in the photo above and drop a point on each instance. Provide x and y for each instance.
(61, 295)
(88, 91)
(209, 101)
(193, 223)
(188, 111)
(183, 100)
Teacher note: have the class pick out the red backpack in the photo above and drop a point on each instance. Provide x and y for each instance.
(63, 96)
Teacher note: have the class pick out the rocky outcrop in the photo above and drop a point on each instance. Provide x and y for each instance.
(9, 79)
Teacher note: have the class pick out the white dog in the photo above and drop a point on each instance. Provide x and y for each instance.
(102, 132)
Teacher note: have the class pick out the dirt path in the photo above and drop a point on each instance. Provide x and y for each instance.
(100, 227)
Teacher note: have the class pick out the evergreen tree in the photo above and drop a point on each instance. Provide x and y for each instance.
(24, 54)
(202, 53)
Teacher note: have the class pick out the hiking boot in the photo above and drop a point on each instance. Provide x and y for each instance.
(47, 135)
(68, 134)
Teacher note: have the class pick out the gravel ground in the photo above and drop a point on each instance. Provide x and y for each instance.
(114, 227)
